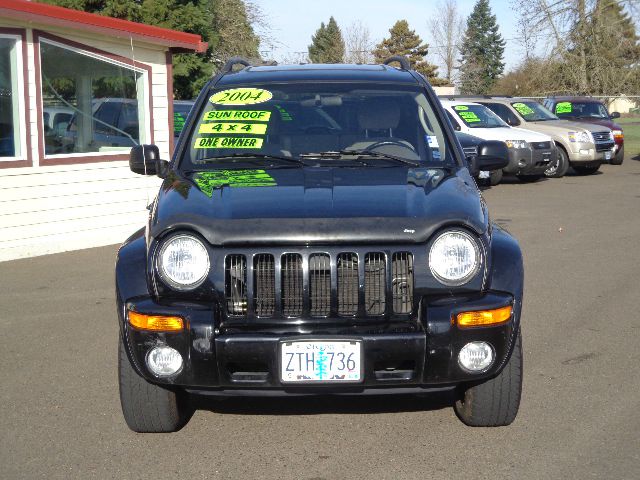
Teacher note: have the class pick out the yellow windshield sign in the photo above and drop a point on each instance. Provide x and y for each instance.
(255, 115)
(564, 107)
(241, 96)
(228, 142)
(523, 109)
(468, 117)
(234, 128)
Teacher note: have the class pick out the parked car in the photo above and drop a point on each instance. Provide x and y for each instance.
(530, 153)
(115, 125)
(581, 146)
(287, 257)
(181, 109)
(469, 144)
(589, 110)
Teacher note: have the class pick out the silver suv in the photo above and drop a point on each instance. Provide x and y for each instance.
(581, 146)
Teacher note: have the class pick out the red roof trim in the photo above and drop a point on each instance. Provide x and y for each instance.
(74, 19)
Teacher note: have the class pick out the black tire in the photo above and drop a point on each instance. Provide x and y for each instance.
(495, 402)
(148, 408)
(530, 178)
(618, 158)
(495, 177)
(558, 168)
(586, 170)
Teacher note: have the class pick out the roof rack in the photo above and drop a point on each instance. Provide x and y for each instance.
(403, 61)
(233, 61)
(458, 97)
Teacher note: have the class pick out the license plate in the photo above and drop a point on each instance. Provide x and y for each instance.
(321, 361)
(607, 155)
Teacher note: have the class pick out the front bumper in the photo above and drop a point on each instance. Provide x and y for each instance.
(591, 155)
(418, 352)
(529, 161)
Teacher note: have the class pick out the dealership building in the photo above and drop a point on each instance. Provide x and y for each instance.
(77, 91)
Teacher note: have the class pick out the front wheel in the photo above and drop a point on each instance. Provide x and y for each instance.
(495, 402)
(148, 408)
(586, 170)
(618, 158)
(558, 167)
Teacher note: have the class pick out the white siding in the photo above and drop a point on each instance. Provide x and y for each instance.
(56, 209)
(50, 209)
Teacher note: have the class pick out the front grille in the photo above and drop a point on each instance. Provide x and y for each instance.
(600, 137)
(540, 145)
(402, 287)
(235, 286)
(292, 285)
(320, 284)
(347, 284)
(264, 280)
(342, 284)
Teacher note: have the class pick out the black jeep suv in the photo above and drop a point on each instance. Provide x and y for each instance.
(318, 231)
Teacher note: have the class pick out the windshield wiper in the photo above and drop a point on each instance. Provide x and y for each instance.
(360, 153)
(252, 156)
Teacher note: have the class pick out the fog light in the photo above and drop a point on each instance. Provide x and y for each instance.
(584, 152)
(164, 361)
(522, 163)
(476, 356)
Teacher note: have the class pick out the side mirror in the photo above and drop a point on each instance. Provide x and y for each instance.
(145, 160)
(512, 121)
(615, 115)
(492, 155)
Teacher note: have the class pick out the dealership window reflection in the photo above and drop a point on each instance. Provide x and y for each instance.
(90, 104)
(9, 96)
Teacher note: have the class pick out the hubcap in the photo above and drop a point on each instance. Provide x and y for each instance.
(553, 166)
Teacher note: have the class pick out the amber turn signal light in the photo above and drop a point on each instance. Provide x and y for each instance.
(158, 323)
(484, 318)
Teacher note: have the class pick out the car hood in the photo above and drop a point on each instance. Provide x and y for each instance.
(598, 121)
(553, 126)
(508, 133)
(318, 205)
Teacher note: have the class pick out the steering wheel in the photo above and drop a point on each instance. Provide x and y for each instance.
(396, 143)
(319, 130)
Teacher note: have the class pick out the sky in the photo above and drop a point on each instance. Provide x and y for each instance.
(293, 22)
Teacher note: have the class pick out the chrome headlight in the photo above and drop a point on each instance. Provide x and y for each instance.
(581, 137)
(516, 143)
(183, 262)
(454, 258)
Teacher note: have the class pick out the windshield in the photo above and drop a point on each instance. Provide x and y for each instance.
(478, 116)
(532, 111)
(581, 110)
(310, 120)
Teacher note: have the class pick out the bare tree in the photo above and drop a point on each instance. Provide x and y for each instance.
(446, 28)
(358, 43)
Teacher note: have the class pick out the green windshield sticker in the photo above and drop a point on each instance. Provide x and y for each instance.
(231, 128)
(178, 122)
(284, 115)
(257, 115)
(241, 96)
(461, 107)
(209, 181)
(469, 117)
(523, 109)
(228, 142)
(564, 107)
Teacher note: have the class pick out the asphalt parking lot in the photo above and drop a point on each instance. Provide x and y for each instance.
(60, 413)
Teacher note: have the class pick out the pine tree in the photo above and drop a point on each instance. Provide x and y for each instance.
(327, 45)
(406, 42)
(611, 49)
(482, 51)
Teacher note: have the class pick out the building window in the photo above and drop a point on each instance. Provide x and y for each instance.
(90, 104)
(12, 137)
